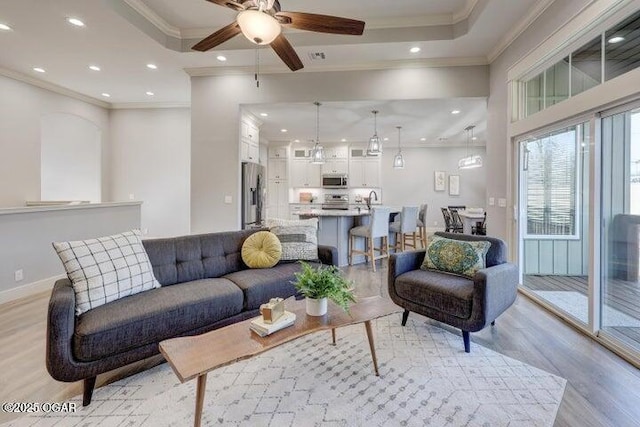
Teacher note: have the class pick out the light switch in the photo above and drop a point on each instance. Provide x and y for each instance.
(228, 200)
(492, 201)
(502, 203)
(132, 197)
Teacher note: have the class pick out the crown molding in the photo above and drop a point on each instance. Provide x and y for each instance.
(53, 88)
(148, 105)
(380, 65)
(520, 27)
(155, 19)
(465, 12)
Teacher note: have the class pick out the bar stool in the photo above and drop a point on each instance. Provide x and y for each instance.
(377, 227)
(422, 224)
(405, 228)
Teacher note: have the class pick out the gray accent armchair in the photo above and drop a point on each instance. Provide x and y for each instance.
(468, 304)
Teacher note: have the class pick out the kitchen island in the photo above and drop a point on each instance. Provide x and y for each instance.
(334, 226)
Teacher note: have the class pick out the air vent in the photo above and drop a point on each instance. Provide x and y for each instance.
(317, 56)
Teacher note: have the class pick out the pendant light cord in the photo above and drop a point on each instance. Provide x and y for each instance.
(317, 122)
(399, 140)
(257, 71)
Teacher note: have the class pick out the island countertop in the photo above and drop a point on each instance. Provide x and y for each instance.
(315, 212)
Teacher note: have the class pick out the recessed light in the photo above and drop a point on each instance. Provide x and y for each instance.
(5, 27)
(94, 67)
(343, 140)
(106, 95)
(264, 114)
(221, 58)
(75, 21)
(475, 138)
(423, 139)
(152, 66)
(284, 130)
(455, 112)
(39, 70)
(415, 49)
(150, 93)
(616, 39)
(385, 139)
(296, 140)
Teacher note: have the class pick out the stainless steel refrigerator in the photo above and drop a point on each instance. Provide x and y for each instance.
(253, 195)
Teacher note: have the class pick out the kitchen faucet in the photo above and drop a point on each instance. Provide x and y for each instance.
(369, 198)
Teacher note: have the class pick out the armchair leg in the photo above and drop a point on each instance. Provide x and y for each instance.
(89, 384)
(405, 316)
(467, 341)
(493, 323)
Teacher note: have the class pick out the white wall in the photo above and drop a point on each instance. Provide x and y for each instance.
(71, 159)
(22, 107)
(499, 220)
(413, 185)
(216, 101)
(150, 159)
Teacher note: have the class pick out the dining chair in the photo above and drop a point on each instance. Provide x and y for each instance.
(480, 228)
(378, 227)
(422, 224)
(457, 226)
(405, 228)
(447, 219)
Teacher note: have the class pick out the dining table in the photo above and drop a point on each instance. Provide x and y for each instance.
(469, 219)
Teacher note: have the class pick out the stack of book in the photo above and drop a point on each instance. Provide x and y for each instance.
(263, 329)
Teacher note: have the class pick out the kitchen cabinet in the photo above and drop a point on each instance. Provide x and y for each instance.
(249, 142)
(277, 169)
(304, 174)
(277, 199)
(335, 166)
(301, 153)
(364, 173)
(337, 152)
(278, 152)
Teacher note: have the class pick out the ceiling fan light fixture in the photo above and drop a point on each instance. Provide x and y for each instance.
(259, 27)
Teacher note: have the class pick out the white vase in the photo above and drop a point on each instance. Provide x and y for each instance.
(316, 307)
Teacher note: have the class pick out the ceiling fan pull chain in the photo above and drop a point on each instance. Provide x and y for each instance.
(257, 72)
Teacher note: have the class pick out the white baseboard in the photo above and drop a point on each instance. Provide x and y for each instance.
(29, 289)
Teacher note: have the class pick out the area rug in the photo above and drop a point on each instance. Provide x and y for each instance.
(426, 378)
(577, 305)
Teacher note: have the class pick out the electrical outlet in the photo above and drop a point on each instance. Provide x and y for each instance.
(228, 200)
(492, 201)
(132, 197)
(502, 203)
(19, 275)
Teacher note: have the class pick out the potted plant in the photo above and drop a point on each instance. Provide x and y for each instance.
(319, 283)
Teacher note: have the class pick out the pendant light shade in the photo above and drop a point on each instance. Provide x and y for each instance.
(375, 144)
(317, 153)
(471, 161)
(398, 160)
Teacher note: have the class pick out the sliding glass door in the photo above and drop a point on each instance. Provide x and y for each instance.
(620, 238)
(554, 219)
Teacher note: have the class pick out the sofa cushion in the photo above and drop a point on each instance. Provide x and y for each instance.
(187, 258)
(106, 269)
(455, 256)
(152, 316)
(259, 286)
(261, 250)
(299, 238)
(441, 291)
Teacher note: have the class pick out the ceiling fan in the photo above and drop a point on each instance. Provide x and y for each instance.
(261, 22)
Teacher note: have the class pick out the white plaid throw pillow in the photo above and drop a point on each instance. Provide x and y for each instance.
(106, 269)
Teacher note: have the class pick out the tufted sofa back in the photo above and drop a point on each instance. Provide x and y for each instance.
(203, 256)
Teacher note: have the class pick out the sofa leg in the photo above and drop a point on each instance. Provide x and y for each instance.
(405, 316)
(89, 384)
(493, 323)
(467, 341)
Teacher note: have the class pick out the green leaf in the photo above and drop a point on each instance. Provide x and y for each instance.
(325, 281)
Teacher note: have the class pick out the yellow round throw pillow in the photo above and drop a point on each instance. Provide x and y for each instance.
(261, 250)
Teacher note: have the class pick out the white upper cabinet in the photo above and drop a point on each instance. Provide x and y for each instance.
(301, 153)
(278, 152)
(249, 141)
(304, 174)
(364, 173)
(277, 169)
(337, 152)
(335, 166)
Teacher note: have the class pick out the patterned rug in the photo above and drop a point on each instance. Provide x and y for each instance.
(426, 378)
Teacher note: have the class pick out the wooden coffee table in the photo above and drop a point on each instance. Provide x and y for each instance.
(192, 357)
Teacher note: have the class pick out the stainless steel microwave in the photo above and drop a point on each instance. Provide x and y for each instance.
(334, 181)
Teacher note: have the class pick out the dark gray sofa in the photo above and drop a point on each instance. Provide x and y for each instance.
(468, 304)
(205, 285)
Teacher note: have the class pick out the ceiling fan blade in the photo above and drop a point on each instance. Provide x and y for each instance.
(231, 4)
(218, 37)
(320, 23)
(285, 51)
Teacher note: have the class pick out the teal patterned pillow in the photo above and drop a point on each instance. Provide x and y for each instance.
(455, 256)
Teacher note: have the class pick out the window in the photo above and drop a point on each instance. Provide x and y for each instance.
(550, 177)
(535, 94)
(621, 47)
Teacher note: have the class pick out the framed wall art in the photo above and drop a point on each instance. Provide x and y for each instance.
(439, 180)
(454, 185)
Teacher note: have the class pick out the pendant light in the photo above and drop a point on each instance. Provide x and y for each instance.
(398, 160)
(470, 161)
(375, 145)
(317, 153)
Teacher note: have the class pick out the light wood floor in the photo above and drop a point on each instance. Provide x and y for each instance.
(602, 389)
